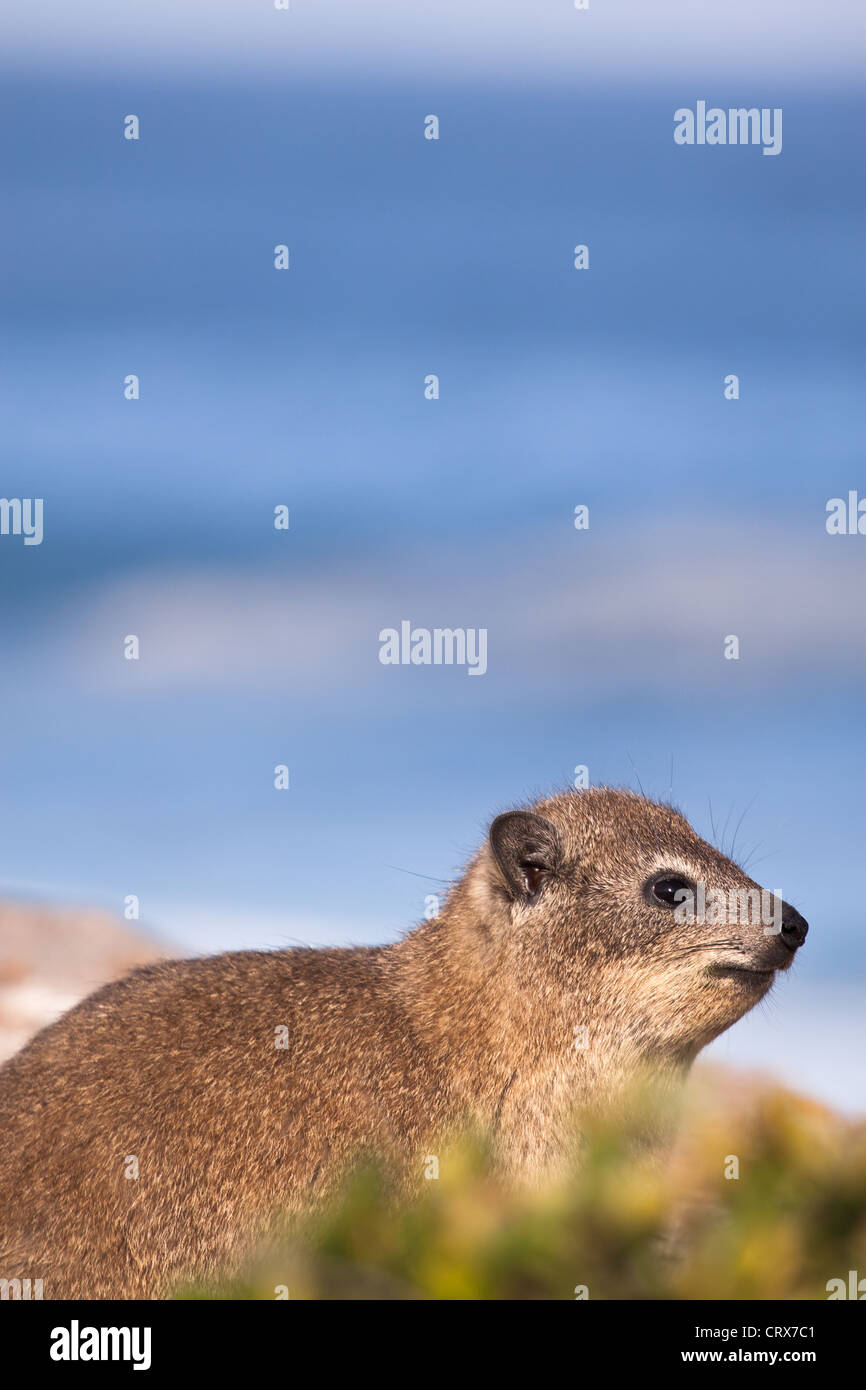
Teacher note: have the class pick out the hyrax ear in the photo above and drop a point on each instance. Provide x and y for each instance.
(527, 849)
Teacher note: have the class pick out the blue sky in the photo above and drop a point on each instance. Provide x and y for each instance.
(557, 388)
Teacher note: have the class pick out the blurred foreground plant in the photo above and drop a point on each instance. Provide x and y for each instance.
(618, 1227)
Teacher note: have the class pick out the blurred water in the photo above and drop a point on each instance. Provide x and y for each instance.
(605, 387)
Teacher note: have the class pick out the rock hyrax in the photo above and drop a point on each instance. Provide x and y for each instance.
(149, 1133)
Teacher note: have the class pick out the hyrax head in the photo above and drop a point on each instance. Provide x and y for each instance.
(614, 901)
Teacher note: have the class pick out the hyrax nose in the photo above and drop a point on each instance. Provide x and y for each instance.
(794, 927)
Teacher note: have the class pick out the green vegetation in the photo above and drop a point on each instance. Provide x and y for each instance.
(625, 1228)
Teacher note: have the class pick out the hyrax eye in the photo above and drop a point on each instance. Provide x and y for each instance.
(668, 890)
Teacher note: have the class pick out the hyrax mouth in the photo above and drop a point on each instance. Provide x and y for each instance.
(764, 971)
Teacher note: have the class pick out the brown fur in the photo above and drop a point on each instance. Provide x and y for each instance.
(470, 1018)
